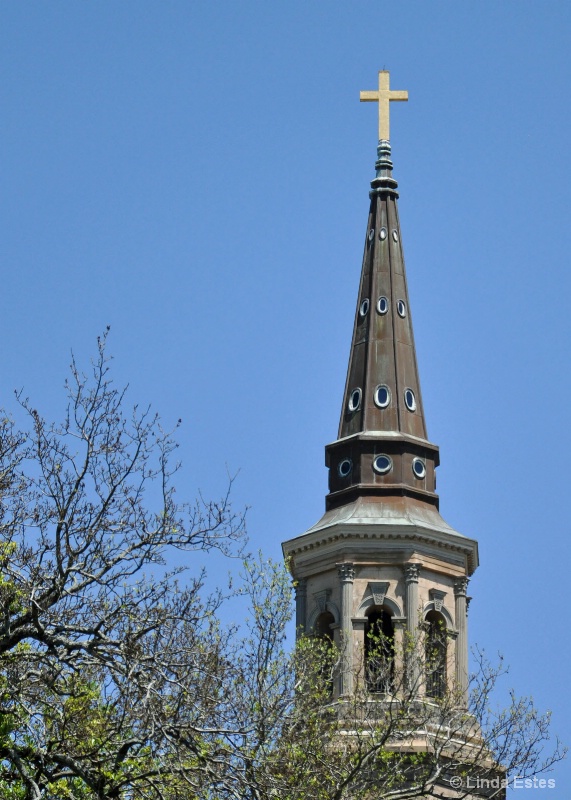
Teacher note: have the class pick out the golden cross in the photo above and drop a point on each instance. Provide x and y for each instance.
(383, 97)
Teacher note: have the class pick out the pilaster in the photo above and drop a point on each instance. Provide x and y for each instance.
(411, 575)
(346, 572)
(461, 611)
(300, 587)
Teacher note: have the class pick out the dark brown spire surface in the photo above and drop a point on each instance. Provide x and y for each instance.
(382, 446)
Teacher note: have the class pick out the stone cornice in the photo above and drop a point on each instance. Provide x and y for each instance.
(383, 532)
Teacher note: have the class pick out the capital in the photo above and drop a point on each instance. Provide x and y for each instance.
(346, 572)
(460, 587)
(412, 573)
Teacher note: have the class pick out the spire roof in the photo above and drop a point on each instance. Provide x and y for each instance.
(382, 446)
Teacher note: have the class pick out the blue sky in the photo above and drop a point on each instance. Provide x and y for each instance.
(196, 176)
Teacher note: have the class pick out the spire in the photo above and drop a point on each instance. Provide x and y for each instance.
(382, 446)
(383, 390)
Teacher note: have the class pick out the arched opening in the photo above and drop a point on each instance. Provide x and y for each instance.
(436, 652)
(324, 626)
(379, 651)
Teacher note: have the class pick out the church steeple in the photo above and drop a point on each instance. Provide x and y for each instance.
(382, 446)
(382, 552)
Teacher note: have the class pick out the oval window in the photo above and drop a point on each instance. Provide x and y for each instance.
(382, 305)
(383, 234)
(410, 399)
(418, 467)
(382, 396)
(401, 308)
(371, 234)
(382, 464)
(355, 400)
(395, 236)
(364, 307)
(345, 467)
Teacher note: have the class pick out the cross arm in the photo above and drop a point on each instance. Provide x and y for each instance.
(368, 96)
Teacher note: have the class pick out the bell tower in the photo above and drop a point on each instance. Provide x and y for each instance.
(382, 557)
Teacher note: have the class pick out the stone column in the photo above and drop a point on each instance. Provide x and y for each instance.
(300, 606)
(461, 610)
(411, 573)
(399, 625)
(346, 576)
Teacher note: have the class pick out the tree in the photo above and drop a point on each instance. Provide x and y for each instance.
(103, 655)
(120, 679)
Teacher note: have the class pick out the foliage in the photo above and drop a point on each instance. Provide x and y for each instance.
(299, 740)
(120, 681)
(102, 653)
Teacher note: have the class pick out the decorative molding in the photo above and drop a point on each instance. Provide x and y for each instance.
(437, 597)
(322, 599)
(346, 572)
(331, 533)
(378, 591)
(460, 586)
(369, 600)
(316, 611)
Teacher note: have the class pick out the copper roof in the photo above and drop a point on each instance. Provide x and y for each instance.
(382, 412)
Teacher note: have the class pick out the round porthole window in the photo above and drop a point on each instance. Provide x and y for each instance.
(382, 464)
(382, 305)
(355, 400)
(371, 234)
(418, 467)
(395, 236)
(383, 234)
(401, 308)
(410, 399)
(345, 467)
(382, 396)
(364, 307)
